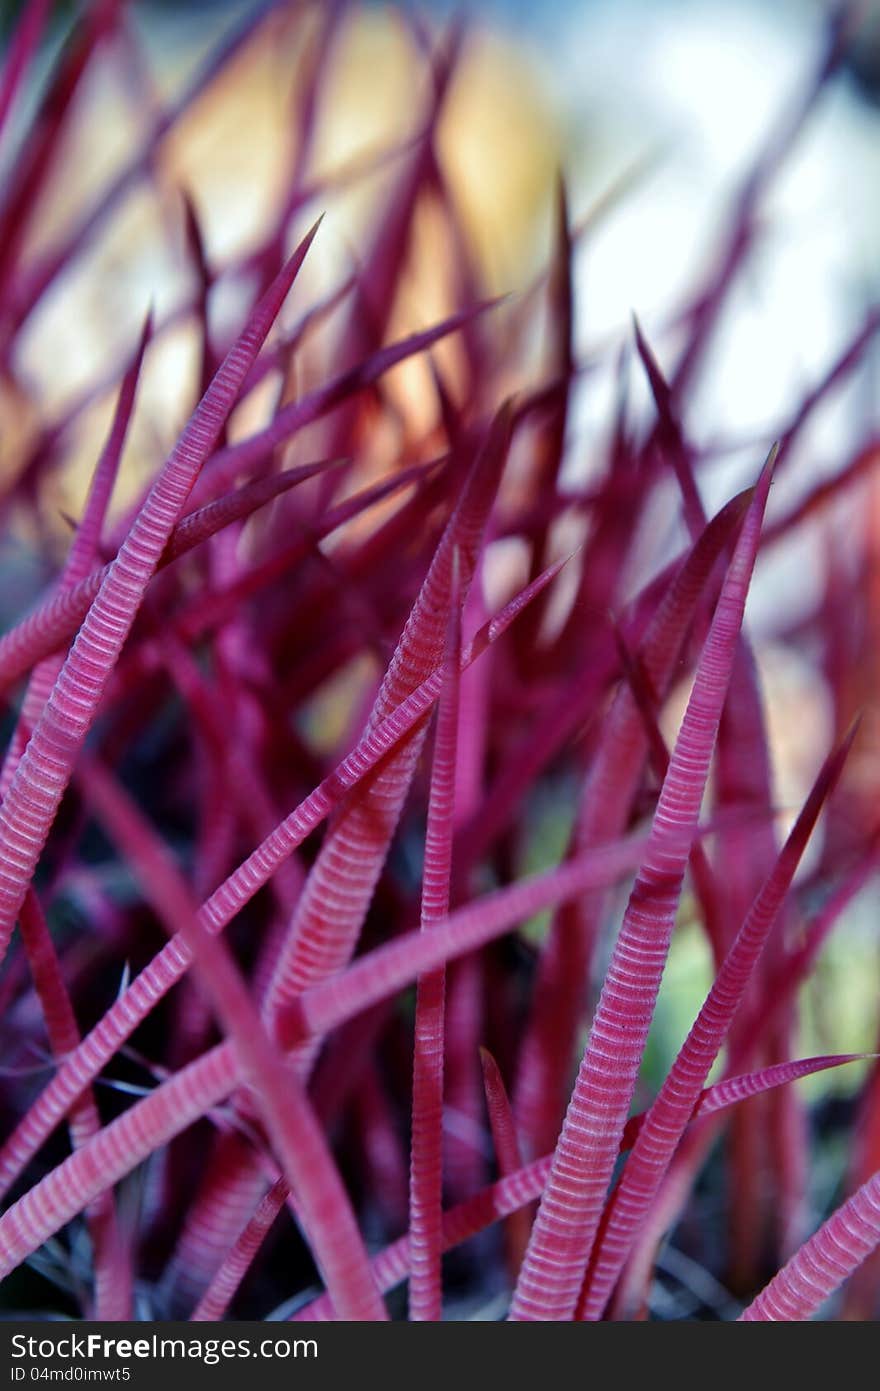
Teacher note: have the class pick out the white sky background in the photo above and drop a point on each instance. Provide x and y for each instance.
(701, 82)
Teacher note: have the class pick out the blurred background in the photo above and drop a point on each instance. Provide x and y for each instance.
(657, 106)
(654, 113)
